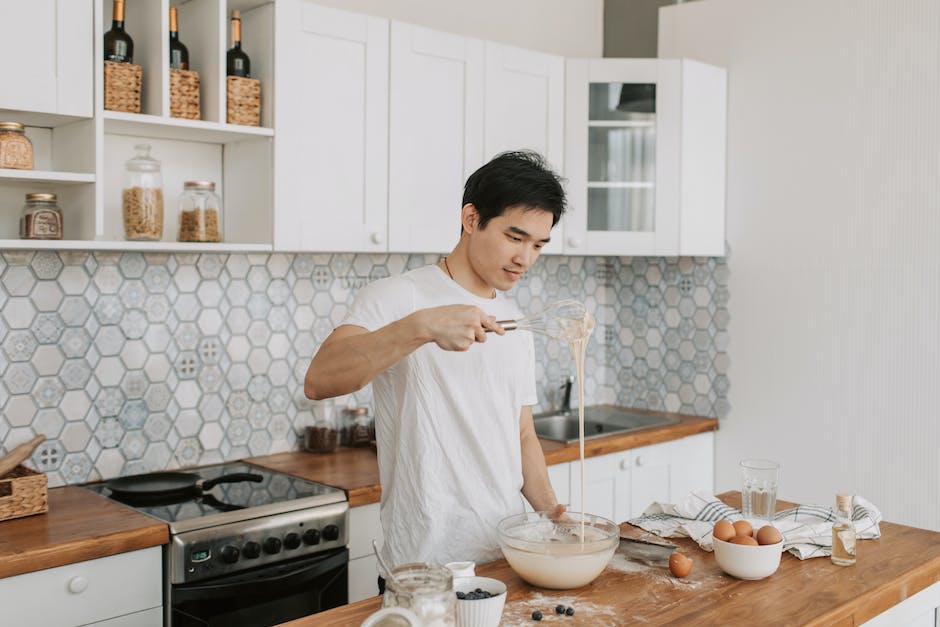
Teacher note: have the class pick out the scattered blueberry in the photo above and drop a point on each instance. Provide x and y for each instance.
(536, 615)
(461, 595)
(570, 611)
(559, 609)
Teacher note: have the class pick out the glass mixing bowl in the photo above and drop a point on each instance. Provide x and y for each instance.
(553, 553)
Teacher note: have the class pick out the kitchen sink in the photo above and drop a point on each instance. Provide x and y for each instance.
(599, 421)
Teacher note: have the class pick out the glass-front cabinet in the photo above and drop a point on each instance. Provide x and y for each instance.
(645, 157)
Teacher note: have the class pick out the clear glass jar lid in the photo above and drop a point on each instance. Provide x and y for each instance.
(142, 161)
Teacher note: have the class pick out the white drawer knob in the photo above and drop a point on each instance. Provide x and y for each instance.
(640, 461)
(78, 584)
(625, 463)
(574, 242)
(377, 238)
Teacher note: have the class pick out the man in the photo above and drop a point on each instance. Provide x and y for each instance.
(456, 441)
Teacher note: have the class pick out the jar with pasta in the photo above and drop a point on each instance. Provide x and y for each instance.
(143, 197)
(200, 213)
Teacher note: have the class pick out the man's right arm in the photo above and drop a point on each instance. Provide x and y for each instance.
(351, 357)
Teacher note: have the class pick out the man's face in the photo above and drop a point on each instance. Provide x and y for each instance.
(502, 252)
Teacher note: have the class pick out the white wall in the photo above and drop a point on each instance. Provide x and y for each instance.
(834, 226)
(571, 28)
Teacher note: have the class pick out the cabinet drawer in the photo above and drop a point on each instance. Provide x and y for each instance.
(363, 578)
(364, 526)
(85, 592)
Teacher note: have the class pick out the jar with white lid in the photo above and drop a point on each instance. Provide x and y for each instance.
(200, 213)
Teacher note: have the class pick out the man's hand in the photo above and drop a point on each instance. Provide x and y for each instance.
(456, 327)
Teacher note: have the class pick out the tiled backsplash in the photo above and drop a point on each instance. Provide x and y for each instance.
(133, 362)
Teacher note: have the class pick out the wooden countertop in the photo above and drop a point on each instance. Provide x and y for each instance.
(80, 525)
(356, 470)
(890, 569)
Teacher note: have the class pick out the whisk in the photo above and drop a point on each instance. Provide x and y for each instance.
(564, 320)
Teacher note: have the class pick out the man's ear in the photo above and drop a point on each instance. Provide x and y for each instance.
(469, 218)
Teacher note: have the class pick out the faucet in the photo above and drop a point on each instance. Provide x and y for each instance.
(566, 395)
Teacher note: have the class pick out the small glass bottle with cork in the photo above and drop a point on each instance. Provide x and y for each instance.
(843, 532)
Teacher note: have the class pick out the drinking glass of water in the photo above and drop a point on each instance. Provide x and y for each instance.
(759, 494)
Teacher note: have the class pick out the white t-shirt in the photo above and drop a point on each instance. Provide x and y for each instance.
(447, 425)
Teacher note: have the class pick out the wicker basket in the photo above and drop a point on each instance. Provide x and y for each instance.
(184, 94)
(122, 86)
(23, 492)
(244, 100)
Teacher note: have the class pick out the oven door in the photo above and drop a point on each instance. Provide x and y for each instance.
(264, 596)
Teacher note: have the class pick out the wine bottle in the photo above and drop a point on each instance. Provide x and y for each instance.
(179, 55)
(236, 61)
(118, 45)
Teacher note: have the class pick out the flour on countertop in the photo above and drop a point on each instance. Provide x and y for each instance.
(656, 572)
(519, 613)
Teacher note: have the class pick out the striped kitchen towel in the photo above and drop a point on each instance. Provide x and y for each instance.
(806, 529)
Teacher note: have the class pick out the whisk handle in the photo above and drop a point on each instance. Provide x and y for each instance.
(508, 325)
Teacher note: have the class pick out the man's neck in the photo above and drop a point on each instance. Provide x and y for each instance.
(457, 266)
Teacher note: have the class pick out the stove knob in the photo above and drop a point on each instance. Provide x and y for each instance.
(230, 554)
(330, 532)
(291, 541)
(251, 550)
(312, 536)
(272, 546)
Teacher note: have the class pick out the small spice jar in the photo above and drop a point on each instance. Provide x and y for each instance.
(200, 213)
(41, 218)
(16, 151)
(143, 197)
(361, 427)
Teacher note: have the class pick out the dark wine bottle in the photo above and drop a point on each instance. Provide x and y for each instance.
(118, 45)
(179, 55)
(236, 61)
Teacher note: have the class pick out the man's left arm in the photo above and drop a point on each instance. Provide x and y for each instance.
(536, 487)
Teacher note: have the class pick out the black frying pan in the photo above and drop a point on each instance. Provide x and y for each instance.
(171, 484)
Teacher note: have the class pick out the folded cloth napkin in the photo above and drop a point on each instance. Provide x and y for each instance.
(806, 529)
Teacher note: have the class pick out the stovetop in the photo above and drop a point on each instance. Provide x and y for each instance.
(231, 502)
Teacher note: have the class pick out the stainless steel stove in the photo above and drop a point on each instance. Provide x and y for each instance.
(249, 552)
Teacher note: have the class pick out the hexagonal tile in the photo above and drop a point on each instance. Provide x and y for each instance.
(188, 451)
(20, 378)
(47, 296)
(18, 280)
(109, 432)
(20, 345)
(48, 328)
(48, 456)
(75, 405)
(48, 392)
(109, 401)
(18, 313)
(48, 422)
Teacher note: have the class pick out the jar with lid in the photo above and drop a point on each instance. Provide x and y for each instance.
(322, 435)
(200, 213)
(360, 425)
(143, 197)
(426, 590)
(41, 218)
(16, 151)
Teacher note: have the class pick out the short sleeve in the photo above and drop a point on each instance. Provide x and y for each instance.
(380, 303)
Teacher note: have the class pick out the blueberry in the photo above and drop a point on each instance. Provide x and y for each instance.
(570, 611)
(536, 615)
(559, 609)
(461, 595)
(478, 590)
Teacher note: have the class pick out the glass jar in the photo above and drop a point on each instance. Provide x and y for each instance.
(322, 435)
(428, 591)
(200, 213)
(42, 217)
(143, 197)
(360, 425)
(16, 151)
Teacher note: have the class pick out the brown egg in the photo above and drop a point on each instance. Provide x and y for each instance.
(768, 534)
(680, 565)
(723, 530)
(743, 528)
(745, 540)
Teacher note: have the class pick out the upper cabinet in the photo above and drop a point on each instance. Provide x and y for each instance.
(645, 157)
(46, 59)
(435, 134)
(332, 177)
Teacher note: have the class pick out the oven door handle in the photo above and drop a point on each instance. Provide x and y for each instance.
(264, 580)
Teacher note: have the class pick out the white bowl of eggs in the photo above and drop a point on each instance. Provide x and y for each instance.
(746, 553)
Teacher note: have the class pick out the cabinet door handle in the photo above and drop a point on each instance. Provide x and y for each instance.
(625, 463)
(574, 242)
(640, 461)
(377, 238)
(77, 584)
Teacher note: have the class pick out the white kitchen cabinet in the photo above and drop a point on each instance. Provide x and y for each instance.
(645, 157)
(123, 589)
(46, 60)
(364, 526)
(332, 177)
(559, 476)
(436, 108)
(621, 485)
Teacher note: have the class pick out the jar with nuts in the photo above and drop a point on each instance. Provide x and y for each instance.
(143, 197)
(200, 213)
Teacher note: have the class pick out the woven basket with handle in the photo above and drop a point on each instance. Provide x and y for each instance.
(184, 94)
(244, 100)
(23, 492)
(122, 83)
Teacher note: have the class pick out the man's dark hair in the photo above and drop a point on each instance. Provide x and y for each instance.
(517, 178)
